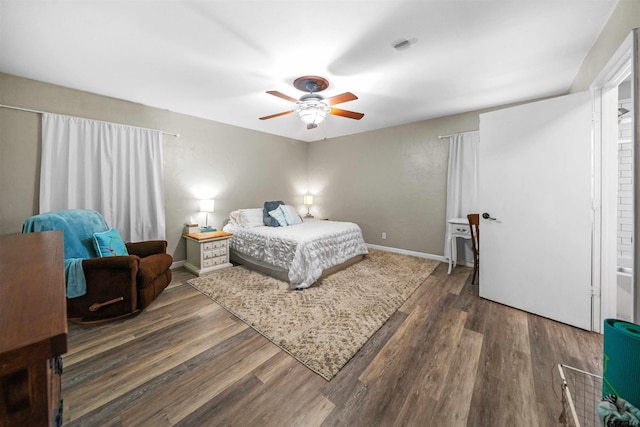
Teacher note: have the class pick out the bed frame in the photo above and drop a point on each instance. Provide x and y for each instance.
(279, 272)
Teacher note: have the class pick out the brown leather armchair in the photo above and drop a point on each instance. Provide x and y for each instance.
(121, 285)
(115, 285)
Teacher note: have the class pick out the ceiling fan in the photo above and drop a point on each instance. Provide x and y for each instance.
(312, 108)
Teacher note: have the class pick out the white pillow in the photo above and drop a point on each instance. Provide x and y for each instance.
(279, 216)
(234, 217)
(250, 217)
(290, 214)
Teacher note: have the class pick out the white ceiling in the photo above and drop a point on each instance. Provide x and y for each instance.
(215, 59)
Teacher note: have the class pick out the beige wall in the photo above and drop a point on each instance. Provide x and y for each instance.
(392, 180)
(238, 167)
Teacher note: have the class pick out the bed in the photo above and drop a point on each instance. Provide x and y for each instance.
(299, 254)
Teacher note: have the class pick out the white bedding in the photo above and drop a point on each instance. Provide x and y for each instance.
(305, 250)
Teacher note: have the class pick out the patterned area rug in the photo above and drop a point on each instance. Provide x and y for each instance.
(326, 324)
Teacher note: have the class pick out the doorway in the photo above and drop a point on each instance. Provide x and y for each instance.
(615, 202)
(535, 187)
(570, 266)
(625, 197)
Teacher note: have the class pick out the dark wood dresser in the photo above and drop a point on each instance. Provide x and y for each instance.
(33, 328)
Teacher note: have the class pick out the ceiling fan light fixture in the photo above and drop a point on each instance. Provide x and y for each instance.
(312, 112)
(312, 108)
(312, 116)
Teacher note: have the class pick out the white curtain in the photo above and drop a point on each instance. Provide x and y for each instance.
(114, 169)
(462, 184)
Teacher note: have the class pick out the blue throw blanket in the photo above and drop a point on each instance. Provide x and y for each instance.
(78, 226)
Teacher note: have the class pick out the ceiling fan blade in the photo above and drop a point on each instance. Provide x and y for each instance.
(276, 115)
(347, 114)
(281, 95)
(339, 99)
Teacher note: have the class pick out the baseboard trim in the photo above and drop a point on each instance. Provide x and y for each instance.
(178, 264)
(407, 252)
(463, 263)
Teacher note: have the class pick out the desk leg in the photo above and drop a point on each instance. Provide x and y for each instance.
(452, 249)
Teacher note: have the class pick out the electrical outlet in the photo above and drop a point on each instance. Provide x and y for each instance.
(384, 236)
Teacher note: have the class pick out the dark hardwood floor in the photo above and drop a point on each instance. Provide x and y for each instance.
(445, 358)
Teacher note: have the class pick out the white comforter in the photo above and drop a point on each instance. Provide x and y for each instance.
(306, 249)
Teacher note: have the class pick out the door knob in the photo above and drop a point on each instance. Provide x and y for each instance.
(487, 216)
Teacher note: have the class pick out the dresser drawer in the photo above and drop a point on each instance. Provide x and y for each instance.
(207, 246)
(214, 261)
(461, 229)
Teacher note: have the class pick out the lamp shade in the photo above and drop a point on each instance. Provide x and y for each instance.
(207, 205)
(308, 199)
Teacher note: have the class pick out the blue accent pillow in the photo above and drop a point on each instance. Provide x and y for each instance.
(109, 243)
(279, 216)
(268, 207)
(290, 214)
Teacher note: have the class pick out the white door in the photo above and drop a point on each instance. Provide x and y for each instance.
(536, 181)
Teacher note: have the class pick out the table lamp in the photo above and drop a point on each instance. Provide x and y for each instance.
(207, 206)
(308, 201)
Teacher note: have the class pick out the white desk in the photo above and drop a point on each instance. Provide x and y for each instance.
(456, 227)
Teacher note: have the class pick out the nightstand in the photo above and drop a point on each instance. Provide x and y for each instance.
(207, 252)
(457, 227)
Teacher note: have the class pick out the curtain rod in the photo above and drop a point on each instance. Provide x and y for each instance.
(452, 134)
(43, 112)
